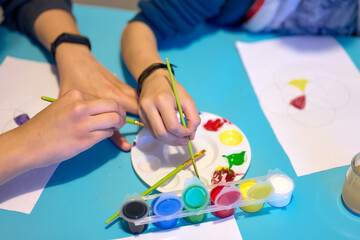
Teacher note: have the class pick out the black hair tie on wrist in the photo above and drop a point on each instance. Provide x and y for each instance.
(150, 70)
(69, 38)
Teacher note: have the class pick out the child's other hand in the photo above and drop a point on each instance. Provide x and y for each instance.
(72, 124)
(158, 109)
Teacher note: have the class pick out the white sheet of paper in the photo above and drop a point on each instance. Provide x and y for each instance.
(221, 229)
(324, 133)
(22, 83)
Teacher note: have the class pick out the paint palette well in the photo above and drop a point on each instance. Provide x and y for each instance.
(225, 144)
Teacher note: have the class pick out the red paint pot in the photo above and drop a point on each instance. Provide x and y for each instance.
(225, 196)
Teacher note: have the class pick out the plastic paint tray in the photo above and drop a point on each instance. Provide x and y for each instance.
(268, 196)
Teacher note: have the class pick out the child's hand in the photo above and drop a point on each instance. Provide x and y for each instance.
(78, 69)
(70, 125)
(158, 109)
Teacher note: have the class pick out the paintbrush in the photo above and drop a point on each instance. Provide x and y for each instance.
(164, 179)
(128, 120)
(181, 114)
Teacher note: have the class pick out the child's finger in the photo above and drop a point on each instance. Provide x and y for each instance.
(171, 121)
(99, 106)
(119, 140)
(192, 116)
(105, 121)
(102, 134)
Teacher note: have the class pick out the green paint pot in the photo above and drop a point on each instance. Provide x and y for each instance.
(195, 197)
(196, 218)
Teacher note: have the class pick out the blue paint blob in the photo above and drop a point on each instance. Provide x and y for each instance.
(186, 119)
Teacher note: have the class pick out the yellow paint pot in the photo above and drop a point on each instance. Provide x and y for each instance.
(244, 188)
(231, 137)
(260, 191)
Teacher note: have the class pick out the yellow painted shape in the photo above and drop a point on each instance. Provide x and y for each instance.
(260, 192)
(231, 137)
(244, 188)
(299, 83)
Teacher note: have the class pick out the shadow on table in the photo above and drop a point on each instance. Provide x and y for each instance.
(77, 167)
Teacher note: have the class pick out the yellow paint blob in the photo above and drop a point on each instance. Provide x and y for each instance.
(260, 192)
(244, 188)
(231, 137)
(299, 83)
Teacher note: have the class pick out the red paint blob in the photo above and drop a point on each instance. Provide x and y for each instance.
(299, 102)
(223, 175)
(214, 125)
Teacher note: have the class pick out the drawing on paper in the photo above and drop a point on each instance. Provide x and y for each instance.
(300, 101)
(308, 97)
(14, 117)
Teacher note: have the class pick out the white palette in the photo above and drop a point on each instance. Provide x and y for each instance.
(152, 160)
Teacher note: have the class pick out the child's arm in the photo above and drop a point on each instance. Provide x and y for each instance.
(78, 68)
(163, 19)
(70, 125)
(157, 106)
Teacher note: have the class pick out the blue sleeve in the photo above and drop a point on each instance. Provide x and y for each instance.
(21, 14)
(169, 18)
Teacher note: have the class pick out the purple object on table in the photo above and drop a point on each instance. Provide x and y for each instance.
(21, 119)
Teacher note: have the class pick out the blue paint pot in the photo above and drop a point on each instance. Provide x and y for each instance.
(168, 204)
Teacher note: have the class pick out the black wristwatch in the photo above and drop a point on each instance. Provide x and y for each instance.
(69, 38)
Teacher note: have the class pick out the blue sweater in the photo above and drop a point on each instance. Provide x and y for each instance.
(169, 18)
(21, 14)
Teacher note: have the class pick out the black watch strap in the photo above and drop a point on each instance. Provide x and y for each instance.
(69, 38)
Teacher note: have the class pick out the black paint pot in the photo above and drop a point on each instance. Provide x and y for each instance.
(132, 210)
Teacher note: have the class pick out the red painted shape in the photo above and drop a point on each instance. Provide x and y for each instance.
(299, 102)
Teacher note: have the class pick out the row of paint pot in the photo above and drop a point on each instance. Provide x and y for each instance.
(196, 200)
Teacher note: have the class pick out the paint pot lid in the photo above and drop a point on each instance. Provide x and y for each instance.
(229, 195)
(246, 186)
(134, 209)
(167, 205)
(282, 184)
(260, 191)
(215, 191)
(195, 197)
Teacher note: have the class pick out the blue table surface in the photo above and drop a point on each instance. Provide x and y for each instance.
(86, 190)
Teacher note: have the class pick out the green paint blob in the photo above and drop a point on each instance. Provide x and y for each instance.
(236, 159)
